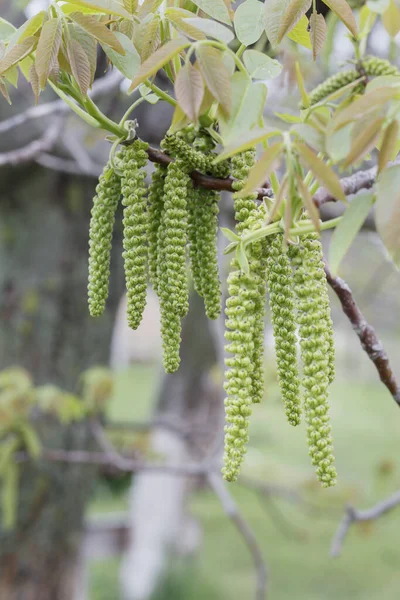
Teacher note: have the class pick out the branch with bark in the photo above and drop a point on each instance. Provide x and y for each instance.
(366, 334)
(353, 515)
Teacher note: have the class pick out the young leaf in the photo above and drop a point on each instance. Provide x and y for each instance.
(128, 63)
(16, 54)
(262, 169)
(293, 13)
(88, 43)
(32, 26)
(305, 194)
(389, 145)
(274, 11)
(108, 7)
(348, 228)
(151, 38)
(242, 259)
(345, 14)
(98, 30)
(317, 33)
(246, 142)
(300, 33)
(47, 49)
(321, 171)
(249, 22)
(4, 90)
(338, 143)
(158, 60)
(364, 106)
(211, 28)
(230, 235)
(230, 248)
(179, 120)
(79, 64)
(215, 75)
(130, 5)
(34, 81)
(260, 65)
(364, 142)
(387, 213)
(280, 196)
(217, 9)
(189, 90)
(312, 136)
(148, 6)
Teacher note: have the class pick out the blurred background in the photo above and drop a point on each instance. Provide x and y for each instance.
(95, 532)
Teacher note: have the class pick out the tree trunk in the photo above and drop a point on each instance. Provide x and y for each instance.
(45, 328)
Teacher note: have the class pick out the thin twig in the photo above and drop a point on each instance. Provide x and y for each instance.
(64, 165)
(367, 336)
(32, 150)
(353, 515)
(231, 510)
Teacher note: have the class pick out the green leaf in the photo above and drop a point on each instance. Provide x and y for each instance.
(176, 16)
(364, 142)
(295, 10)
(151, 38)
(17, 53)
(249, 22)
(391, 19)
(300, 33)
(129, 63)
(189, 90)
(387, 212)
(261, 66)
(98, 30)
(338, 143)
(312, 136)
(246, 142)
(47, 49)
(389, 145)
(32, 26)
(79, 64)
(12, 76)
(158, 60)
(348, 228)
(260, 172)
(215, 75)
(211, 29)
(34, 81)
(274, 11)
(248, 101)
(321, 171)
(242, 259)
(383, 81)
(217, 9)
(230, 235)
(108, 7)
(345, 14)
(317, 33)
(6, 29)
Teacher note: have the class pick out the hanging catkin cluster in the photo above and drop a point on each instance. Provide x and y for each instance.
(175, 220)
(370, 67)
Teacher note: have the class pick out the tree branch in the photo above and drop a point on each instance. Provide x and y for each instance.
(32, 150)
(367, 336)
(353, 515)
(231, 510)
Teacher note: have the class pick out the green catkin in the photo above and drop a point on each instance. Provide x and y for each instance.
(133, 162)
(206, 250)
(155, 203)
(282, 304)
(248, 216)
(108, 192)
(194, 209)
(372, 67)
(314, 345)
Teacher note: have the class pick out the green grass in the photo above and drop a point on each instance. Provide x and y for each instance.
(295, 538)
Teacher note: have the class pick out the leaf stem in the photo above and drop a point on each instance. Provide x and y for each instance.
(160, 93)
